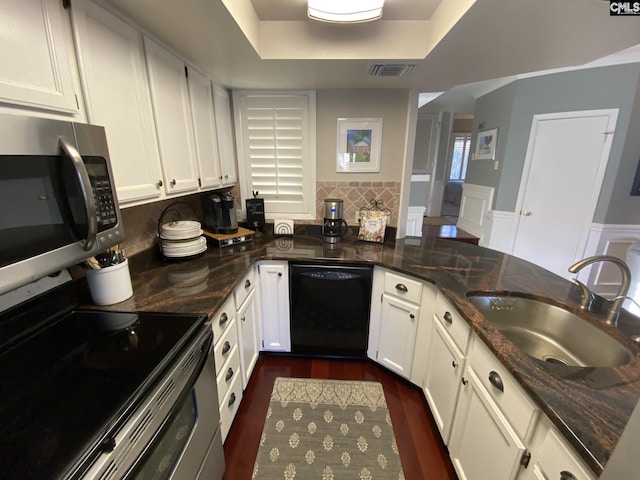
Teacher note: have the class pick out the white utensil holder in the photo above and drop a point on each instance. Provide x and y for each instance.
(110, 285)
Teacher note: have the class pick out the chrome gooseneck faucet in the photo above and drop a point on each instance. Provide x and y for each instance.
(616, 303)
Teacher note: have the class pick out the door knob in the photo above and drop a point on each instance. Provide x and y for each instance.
(526, 213)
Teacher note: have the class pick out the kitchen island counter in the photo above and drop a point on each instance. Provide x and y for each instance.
(590, 406)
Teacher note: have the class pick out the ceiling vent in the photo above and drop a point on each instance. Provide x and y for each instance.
(391, 70)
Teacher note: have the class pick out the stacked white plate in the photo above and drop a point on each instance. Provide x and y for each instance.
(182, 239)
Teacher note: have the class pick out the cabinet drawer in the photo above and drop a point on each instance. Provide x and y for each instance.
(228, 373)
(402, 287)
(223, 318)
(229, 405)
(224, 346)
(512, 400)
(453, 323)
(244, 287)
(556, 457)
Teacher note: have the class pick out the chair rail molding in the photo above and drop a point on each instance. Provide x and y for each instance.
(476, 202)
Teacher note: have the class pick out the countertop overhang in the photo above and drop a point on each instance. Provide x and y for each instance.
(590, 406)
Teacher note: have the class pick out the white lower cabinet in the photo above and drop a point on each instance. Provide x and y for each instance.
(274, 305)
(483, 445)
(397, 335)
(552, 458)
(445, 365)
(247, 320)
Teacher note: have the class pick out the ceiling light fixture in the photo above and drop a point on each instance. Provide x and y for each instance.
(345, 11)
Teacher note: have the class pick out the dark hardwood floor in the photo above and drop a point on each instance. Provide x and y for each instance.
(422, 452)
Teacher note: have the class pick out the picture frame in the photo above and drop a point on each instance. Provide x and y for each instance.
(486, 144)
(359, 141)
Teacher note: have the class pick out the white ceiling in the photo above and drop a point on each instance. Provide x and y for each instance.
(270, 44)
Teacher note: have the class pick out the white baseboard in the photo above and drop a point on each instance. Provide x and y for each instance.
(476, 202)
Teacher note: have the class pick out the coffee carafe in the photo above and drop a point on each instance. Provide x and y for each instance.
(220, 213)
(333, 227)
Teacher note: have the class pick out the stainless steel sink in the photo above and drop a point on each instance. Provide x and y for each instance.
(551, 333)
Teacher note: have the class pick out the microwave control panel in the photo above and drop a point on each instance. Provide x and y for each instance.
(102, 193)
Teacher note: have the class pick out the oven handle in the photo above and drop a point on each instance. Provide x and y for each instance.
(87, 192)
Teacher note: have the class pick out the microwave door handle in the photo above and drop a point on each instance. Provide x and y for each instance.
(87, 192)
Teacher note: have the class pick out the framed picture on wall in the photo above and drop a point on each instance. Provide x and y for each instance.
(358, 145)
(486, 144)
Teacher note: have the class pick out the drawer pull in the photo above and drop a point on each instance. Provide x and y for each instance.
(223, 319)
(454, 364)
(564, 475)
(232, 399)
(247, 283)
(402, 287)
(465, 382)
(229, 374)
(243, 318)
(496, 381)
(226, 347)
(448, 318)
(412, 316)
(279, 274)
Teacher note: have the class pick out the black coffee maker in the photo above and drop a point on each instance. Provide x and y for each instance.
(220, 213)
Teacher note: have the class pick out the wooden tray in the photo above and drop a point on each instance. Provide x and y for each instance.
(243, 235)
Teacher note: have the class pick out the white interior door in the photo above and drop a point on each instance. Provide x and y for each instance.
(564, 167)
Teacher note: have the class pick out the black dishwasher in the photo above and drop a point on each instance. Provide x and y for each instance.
(330, 307)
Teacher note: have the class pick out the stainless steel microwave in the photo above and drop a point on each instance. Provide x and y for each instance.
(58, 204)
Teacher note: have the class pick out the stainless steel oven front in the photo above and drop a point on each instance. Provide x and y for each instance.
(174, 433)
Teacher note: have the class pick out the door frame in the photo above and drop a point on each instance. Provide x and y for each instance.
(602, 167)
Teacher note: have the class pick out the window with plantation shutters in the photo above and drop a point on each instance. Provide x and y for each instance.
(276, 151)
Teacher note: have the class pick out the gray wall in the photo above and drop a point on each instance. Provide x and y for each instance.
(511, 109)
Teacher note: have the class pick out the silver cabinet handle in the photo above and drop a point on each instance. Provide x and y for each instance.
(229, 374)
(464, 381)
(526, 213)
(402, 287)
(160, 183)
(223, 318)
(454, 364)
(279, 274)
(173, 182)
(226, 347)
(86, 190)
(243, 318)
(232, 399)
(448, 317)
(412, 316)
(564, 475)
(496, 381)
(247, 283)
(226, 176)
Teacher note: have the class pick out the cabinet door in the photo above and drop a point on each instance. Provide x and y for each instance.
(445, 366)
(204, 129)
(35, 68)
(225, 135)
(397, 335)
(274, 299)
(116, 88)
(483, 445)
(172, 113)
(248, 336)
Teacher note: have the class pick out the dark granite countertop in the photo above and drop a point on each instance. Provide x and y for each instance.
(591, 406)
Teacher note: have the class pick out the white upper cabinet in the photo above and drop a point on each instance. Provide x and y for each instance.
(222, 107)
(35, 67)
(114, 79)
(172, 113)
(204, 122)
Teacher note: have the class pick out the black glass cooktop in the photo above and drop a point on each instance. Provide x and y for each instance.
(73, 379)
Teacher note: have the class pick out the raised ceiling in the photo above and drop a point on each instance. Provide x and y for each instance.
(270, 44)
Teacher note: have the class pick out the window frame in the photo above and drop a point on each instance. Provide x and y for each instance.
(309, 155)
(454, 136)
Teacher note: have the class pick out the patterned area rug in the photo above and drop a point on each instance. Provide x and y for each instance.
(327, 430)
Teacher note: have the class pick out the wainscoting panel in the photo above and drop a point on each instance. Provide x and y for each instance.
(604, 278)
(414, 221)
(476, 202)
(500, 231)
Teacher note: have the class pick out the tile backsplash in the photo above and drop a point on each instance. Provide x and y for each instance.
(141, 222)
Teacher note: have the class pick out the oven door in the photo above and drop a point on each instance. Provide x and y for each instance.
(189, 445)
